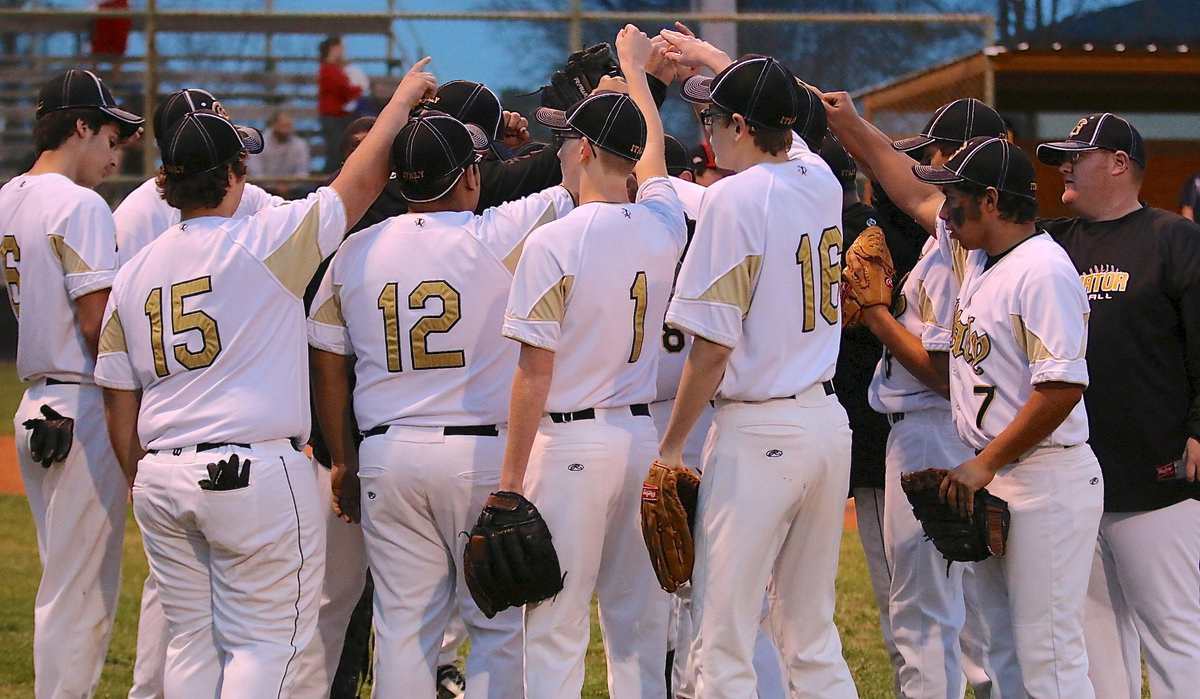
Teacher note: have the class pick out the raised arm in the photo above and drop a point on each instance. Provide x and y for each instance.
(366, 170)
(634, 51)
(873, 151)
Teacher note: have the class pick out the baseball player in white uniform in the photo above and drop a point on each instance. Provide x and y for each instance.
(413, 306)
(1017, 374)
(59, 257)
(776, 464)
(140, 218)
(586, 305)
(237, 547)
(143, 215)
(938, 636)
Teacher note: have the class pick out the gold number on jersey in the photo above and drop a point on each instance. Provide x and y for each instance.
(154, 313)
(419, 334)
(989, 395)
(391, 326)
(181, 322)
(830, 272)
(10, 255)
(640, 296)
(673, 339)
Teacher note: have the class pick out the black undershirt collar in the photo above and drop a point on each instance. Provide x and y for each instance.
(993, 259)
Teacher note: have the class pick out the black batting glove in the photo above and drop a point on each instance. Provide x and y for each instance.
(51, 436)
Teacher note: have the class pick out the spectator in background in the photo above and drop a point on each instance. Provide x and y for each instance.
(335, 97)
(1189, 198)
(370, 104)
(110, 38)
(285, 154)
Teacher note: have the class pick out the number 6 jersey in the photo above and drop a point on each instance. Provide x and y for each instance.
(208, 322)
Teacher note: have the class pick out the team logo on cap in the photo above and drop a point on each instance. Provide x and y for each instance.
(787, 120)
(1078, 127)
(413, 175)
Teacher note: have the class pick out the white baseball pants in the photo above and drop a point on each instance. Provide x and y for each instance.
(238, 571)
(1055, 497)
(926, 600)
(771, 505)
(1144, 598)
(421, 491)
(78, 508)
(586, 479)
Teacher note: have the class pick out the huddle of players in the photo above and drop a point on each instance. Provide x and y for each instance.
(991, 316)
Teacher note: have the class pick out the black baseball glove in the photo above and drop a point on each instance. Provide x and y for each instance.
(509, 560)
(957, 538)
(51, 436)
(579, 76)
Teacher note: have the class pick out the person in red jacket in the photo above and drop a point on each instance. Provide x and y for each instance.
(335, 97)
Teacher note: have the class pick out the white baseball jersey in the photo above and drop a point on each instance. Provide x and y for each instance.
(57, 245)
(786, 340)
(676, 343)
(925, 308)
(143, 215)
(209, 323)
(419, 301)
(598, 281)
(1021, 322)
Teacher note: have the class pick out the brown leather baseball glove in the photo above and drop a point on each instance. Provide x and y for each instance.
(668, 514)
(868, 277)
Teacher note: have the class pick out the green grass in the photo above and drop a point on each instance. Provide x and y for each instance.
(11, 389)
(19, 569)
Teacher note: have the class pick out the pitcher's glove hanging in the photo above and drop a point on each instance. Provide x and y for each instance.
(669, 497)
(509, 559)
(957, 538)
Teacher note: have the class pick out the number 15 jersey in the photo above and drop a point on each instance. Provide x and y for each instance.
(208, 321)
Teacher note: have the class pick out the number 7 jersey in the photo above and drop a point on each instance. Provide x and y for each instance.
(208, 322)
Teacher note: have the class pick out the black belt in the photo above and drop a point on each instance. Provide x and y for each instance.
(461, 430)
(56, 382)
(202, 446)
(828, 386)
(637, 410)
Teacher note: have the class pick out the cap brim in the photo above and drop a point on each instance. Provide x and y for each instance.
(697, 90)
(252, 138)
(554, 118)
(910, 144)
(1054, 154)
(936, 174)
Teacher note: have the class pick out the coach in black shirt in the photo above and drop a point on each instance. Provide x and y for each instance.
(1141, 269)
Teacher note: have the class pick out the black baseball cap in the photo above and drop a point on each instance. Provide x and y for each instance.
(678, 160)
(988, 161)
(76, 89)
(610, 120)
(474, 103)
(1102, 130)
(838, 160)
(759, 88)
(957, 122)
(812, 125)
(431, 152)
(202, 141)
(180, 103)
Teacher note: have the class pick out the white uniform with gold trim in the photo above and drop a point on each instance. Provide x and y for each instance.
(208, 322)
(143, 215)
(418, 300)
(140, 218)
(763, 280)
(58, 245)
(926, 604)
(593, 288)
(1021, 321)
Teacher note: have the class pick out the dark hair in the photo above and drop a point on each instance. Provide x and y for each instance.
(348, 143)
(54, 128)
(202, 191)
(326, 44)
(1011, 207)
(772, 141)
